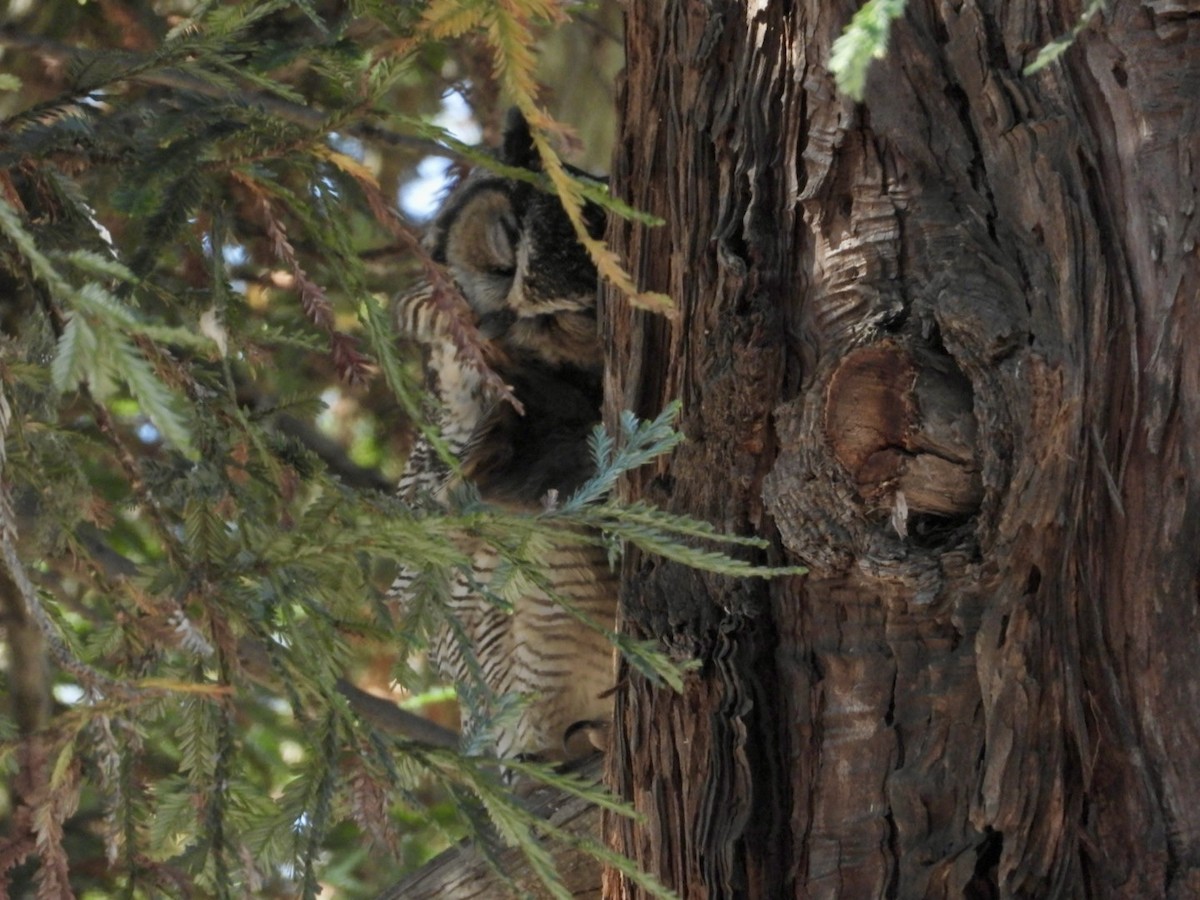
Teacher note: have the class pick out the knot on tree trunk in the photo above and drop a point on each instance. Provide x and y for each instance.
(903, 428)
(880, 464)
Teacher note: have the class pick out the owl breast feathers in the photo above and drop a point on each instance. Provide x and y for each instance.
(531, 287)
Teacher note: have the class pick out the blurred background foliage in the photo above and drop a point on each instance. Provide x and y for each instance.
(204, 208)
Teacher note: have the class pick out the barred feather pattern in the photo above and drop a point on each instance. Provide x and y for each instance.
(460, 391)
(539, 650)
(461, 397)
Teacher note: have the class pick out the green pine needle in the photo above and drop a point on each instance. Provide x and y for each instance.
(1059, 46)
(864, 41)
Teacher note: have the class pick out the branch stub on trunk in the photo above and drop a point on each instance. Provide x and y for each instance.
(904, 431)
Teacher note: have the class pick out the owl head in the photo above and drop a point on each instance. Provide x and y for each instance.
(514, 254)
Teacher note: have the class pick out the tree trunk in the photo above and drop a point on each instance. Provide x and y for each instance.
(934, 346)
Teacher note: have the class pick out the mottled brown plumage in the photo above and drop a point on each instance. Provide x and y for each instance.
(531, 286)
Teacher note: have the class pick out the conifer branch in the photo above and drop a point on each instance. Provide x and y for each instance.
(302, 114)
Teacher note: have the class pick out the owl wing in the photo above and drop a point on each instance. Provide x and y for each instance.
(458, 389)
(472, 645)
(460, 396)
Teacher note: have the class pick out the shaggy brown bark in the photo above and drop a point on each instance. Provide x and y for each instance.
(939, 347)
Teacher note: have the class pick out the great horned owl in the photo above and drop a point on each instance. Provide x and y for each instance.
(532, 289)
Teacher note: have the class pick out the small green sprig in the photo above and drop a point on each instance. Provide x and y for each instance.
(864, 40)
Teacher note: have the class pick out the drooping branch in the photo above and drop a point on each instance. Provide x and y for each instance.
(465, 872)
(305, 116)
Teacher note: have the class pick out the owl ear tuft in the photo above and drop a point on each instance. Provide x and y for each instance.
(516, 147)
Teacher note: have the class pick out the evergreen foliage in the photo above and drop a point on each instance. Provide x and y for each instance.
(865, 39)
(196, 255)
(1059, 45)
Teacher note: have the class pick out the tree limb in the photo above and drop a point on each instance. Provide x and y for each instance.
(380, 713)
(333, 455)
